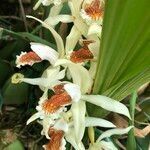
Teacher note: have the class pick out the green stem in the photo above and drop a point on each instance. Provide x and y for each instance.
(131, 142)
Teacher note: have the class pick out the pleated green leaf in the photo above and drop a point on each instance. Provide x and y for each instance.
(125, 48)
(123, 63)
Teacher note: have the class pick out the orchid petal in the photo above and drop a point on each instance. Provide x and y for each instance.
(37, 4)
(78, 111)
(62, 62)
(72, 39)
(58, 39)
(61, 125)
(43, 97)
(33, 117)
(55, 10)
(51, 72)
(108, 145)
(54, 20)
(92, 70)
(78, 22)
(95, 29)
(74, 91)
(54, 73)
(57, 2)
(107, 103)
(45, 52)
(81, 26)
(46, 2)
(79, 74)
(102, 145)
(61, 74)
(95, 46)
(50, 78)
(92, 121)
(75, 7)
(70, 137)
(111, 132)
(36, 81)
(46, 123)
(81, 77)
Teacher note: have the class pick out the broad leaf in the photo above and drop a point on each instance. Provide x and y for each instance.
(123, 63)
(26, 36)
(125, 43)
(15, 145)
(15, 94)
(143, 143)
(143, 115)
(1, 101)
(5, 71)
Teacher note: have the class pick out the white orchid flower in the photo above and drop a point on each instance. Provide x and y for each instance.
(39, 52)
(78, 108)
(52, 113)
(42, 52)
(70, 135)
(101, 144)
(59, 133)
(87, 22)
(79, 74)
(51, 76)
(105, 102)
(47, 119)
(85, 14)
(54, 18)
(77, 71)
(88, 16)
(69, 130)
(92, 11)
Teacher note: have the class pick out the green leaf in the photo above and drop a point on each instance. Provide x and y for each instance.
(5, 71)
(123, 63)
(27, 36)
(131, 143)
(143, 143)
(1, 32)
(14, 46)
(16, 145)
(15, 93)
(1, 101)
(143, 115)
(34, 38)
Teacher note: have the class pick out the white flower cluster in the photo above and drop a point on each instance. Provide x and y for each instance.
(64, 115)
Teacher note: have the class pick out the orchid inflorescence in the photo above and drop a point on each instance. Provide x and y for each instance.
(60, 122)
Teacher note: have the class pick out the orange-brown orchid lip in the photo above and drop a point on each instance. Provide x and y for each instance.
(55, 102)
(59, 89)
(94, 10)
(55, 141)
(29, 58)
(83, 54)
